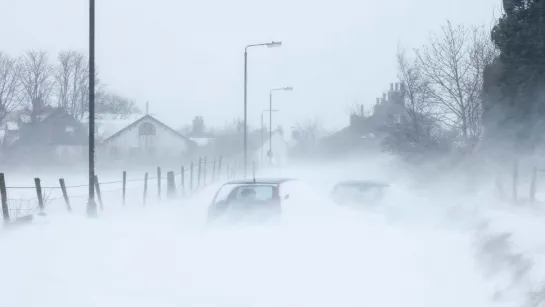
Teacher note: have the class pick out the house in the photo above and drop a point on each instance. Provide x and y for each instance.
(57, 137)
(9, 133)
(106, 124)
(146, 140)
(280, 149)
(366, 132)
(198, 133)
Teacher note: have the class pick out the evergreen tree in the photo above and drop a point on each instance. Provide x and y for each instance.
(514, 86)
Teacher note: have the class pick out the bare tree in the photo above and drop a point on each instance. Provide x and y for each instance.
(308, 131)
(453, 62)
(115, 104)
(71, 82)
(36, 78)
(417, 100)
(235, 126)
(10, 86)
(355, 109)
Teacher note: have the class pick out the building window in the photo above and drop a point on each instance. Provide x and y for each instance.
(147, 129)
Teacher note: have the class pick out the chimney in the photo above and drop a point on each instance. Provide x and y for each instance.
(397, 87)
(198, 125)
(378, 100)
(353, 120)
(361, 110)
(383, 97)
(391, 87)
(401, 86)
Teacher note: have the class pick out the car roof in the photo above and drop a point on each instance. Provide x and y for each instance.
(260, 181)
(362, 182)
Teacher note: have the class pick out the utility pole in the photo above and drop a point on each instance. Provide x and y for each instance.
(262, 128)
(91, 204)
(288, 88)
(245, 111)
(270, 128)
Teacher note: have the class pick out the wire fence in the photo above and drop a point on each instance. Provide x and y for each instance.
(184, 182)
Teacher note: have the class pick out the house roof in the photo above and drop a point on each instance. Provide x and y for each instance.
(52, 130)
(108, 124)
(153, 119)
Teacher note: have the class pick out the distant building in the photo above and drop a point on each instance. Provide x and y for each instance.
(198, 133)
(106, 124)
(55, 137)
(365, 132)
(146, 140)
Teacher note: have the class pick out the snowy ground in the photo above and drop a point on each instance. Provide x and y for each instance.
(423, 247)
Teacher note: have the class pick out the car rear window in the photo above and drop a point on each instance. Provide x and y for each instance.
(263, 192)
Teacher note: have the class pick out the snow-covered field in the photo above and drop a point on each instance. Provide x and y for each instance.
(428, 245)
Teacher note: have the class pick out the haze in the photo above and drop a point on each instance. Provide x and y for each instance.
(400, 164)
(187, 59)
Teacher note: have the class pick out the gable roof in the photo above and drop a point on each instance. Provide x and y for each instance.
(153, 119)
(52, 131)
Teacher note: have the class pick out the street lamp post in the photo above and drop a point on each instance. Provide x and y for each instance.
(289, 88)
(270, 45)
(263, 130)
(91, 204)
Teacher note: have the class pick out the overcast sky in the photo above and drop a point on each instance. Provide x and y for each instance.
(186, 57)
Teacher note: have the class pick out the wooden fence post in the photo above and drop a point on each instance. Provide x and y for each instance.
(99, 195)
(65, 194)
(4, 195)
(159, 182)
(204, 174)
(191, 177)
(124, 186)
(182, 183)
(38, 185)
(533, 185)
(145, 187)
(219, 168)
(214, 171)
(199, 173)
(515, 181)
(171, 185)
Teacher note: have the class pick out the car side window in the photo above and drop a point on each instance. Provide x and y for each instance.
(223, 194)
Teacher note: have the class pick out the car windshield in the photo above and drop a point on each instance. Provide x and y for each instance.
(245, 193)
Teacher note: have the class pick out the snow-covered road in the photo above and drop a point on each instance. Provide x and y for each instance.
(163, 255)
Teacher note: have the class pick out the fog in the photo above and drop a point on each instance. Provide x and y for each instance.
(429, 243)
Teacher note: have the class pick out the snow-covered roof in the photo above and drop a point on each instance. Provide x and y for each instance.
(108, 125)
(201, 141)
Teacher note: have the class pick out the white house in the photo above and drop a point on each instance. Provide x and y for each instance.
(146, 139)
(280, 148)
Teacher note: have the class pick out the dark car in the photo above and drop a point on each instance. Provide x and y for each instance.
(249, 198)
(358, 192)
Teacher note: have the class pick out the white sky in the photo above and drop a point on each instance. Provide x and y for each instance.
(186, 57)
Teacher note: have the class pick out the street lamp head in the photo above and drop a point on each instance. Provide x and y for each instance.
(289, 88)
(274, 44)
